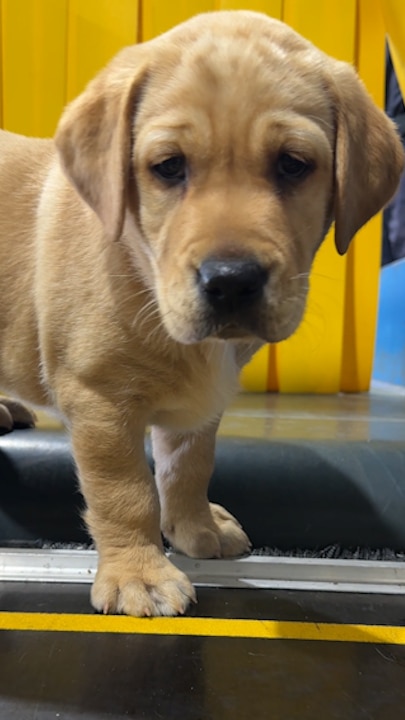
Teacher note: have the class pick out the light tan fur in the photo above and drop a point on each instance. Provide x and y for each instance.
(102, 315)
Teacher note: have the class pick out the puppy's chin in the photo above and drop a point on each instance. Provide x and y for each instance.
(270, 331)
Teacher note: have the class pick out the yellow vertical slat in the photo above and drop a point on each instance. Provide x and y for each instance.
(34, 64)
(394, 16)
(1, 63)
(159, 15)
(270, 7)
(310, 361)
(364, 257)
(272, 370)
(98, 29)
(254, 376)
(329, 24)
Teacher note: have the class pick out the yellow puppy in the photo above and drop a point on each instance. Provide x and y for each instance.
(147, 251)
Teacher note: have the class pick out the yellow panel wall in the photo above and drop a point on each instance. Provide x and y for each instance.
(364, 256)
(270, 7)
(159, 16)
(34, 36)
(97, 30)
(394, 17)
(1, 63)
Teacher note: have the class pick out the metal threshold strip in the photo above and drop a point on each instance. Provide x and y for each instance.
(282, 573)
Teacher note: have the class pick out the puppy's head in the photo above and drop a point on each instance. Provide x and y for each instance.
(221, 152)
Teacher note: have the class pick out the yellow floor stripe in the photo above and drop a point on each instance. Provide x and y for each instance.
(207, 627)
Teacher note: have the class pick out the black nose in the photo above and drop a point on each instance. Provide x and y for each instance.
(231, 284)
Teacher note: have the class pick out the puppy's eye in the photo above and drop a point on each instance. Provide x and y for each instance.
(172, 170)
(292, 168)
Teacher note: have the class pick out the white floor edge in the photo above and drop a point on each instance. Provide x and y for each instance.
(261, 572)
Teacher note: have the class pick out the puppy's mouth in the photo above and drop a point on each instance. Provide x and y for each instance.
(234, 299)
(232, 332)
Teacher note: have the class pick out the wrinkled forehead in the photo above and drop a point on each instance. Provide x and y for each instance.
(232, 82)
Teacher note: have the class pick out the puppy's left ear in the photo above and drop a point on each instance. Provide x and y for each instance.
(93, 137)
(369, 157)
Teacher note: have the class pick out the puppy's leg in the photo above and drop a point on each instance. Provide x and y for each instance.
(184, 465)
(14, 414)
(133, 576)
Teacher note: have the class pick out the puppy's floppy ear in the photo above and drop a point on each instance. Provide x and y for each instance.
(369, 156)
(94, 137)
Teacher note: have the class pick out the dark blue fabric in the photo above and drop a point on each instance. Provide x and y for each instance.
(394, 215)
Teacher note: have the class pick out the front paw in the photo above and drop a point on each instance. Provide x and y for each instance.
(217, 534)
(14, 414)
(141, 583)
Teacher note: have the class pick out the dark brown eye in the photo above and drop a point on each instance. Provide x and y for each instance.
(292, 168)
(172, 170)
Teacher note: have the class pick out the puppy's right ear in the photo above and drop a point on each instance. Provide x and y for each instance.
(369, 157)
(94, 137)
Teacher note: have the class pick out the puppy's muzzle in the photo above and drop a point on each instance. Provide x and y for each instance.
(232, 289)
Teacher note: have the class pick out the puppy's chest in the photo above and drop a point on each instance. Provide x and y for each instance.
(200, 396)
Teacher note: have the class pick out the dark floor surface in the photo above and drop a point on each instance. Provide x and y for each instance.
(70, 675)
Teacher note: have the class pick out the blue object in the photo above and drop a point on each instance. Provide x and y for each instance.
(389, 360)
